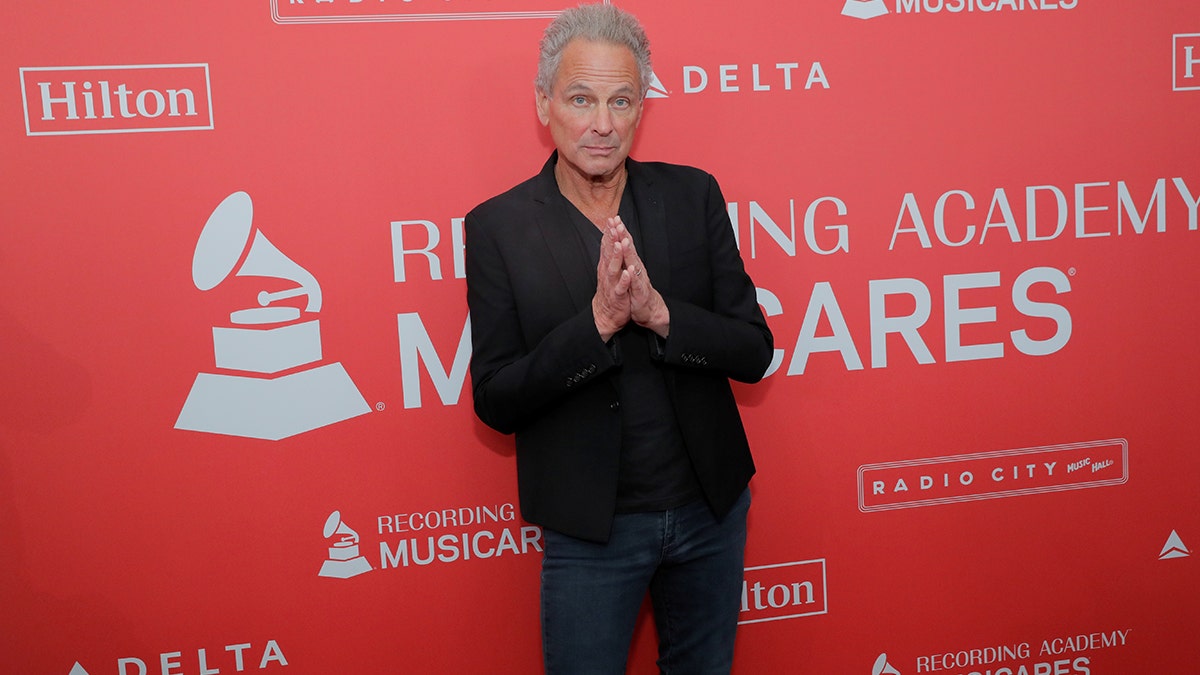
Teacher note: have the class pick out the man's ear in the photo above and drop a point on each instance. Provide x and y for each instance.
(542, 102)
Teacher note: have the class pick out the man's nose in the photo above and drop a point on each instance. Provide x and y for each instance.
(602, 122)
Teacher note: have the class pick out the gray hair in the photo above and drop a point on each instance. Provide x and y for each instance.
(599, 22)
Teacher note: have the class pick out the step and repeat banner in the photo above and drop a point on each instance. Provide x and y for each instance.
(237, 433)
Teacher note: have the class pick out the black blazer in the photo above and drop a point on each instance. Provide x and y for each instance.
(540, 370)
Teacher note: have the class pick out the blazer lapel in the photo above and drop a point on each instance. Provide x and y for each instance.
(570, 258)
(578, 276)
(652, 219)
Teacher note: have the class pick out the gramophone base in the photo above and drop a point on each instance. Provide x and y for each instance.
(271, 409)
(344, 569)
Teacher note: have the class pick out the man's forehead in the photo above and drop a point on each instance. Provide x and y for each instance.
(588, 65)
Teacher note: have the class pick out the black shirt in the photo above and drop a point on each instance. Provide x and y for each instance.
(655, 471)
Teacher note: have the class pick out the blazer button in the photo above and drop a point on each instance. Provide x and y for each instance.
(614, 405)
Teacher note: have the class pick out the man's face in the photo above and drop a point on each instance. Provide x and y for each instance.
(593, 108)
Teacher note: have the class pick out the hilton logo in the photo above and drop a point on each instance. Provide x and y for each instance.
(1186, 62)
(787, 590)
(116, 99)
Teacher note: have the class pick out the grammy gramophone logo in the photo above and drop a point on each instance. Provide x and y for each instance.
(250, 398)
(864, 9)
(344, 559)
(882, 667)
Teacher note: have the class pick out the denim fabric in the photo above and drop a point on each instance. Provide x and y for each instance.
(692, 566)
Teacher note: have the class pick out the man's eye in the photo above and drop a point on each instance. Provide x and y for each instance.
(621, 103)
(579, 100)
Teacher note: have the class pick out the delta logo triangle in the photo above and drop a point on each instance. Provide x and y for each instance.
(657, 90)
(1174, 548)
(78, 670)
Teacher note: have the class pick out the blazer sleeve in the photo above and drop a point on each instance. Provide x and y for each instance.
(725, 333)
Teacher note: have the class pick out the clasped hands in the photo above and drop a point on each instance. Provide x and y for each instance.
(623, 289)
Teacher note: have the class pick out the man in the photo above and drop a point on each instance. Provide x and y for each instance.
(609, 309)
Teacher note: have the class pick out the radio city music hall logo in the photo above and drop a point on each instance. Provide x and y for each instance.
(991, 475)
(70, 100)
(251, 398)
(343, 11)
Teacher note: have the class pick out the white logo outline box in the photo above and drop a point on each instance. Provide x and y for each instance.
(999, 494)
(824, 590)
(424, 17)
(1175, 62)
(78, 132)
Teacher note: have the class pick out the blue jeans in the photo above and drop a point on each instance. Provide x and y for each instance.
(692, 565)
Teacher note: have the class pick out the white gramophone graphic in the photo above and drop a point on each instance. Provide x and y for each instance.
(882, 667)
(864, 9)
(344, 560)
(263, 340)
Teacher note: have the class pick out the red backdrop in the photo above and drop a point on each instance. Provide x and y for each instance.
(974, 228)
